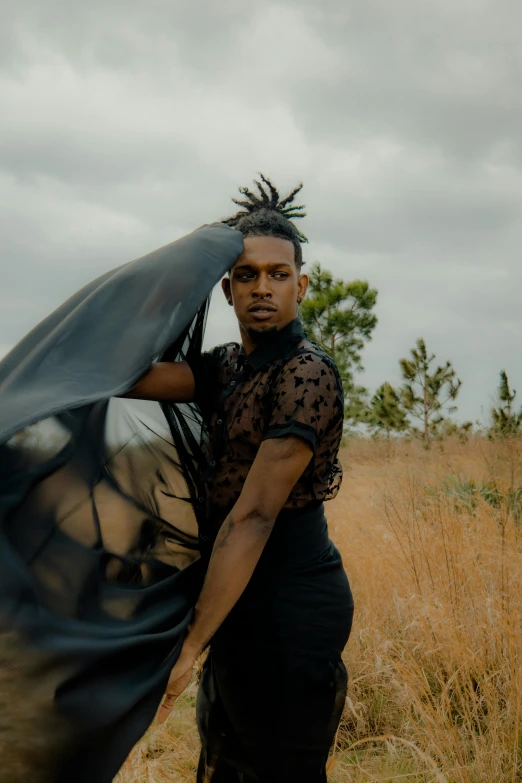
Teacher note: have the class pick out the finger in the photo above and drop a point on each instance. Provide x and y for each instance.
(165, 708)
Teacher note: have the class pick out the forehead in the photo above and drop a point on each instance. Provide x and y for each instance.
(261, 251)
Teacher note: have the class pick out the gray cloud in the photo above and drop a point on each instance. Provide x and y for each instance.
(128, 124)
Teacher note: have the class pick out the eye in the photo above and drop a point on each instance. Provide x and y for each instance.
(244, 276)
(280, 275)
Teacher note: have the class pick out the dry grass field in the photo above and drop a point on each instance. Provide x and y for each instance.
(432, 547)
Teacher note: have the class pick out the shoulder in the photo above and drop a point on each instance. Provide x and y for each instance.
(225, 354)
(311, 363)
(220, 362)
(210, 367)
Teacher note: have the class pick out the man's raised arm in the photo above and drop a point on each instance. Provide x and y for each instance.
(165, 381)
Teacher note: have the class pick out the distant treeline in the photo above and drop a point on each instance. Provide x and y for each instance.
(339, 316)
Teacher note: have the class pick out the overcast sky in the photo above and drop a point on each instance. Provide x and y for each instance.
(126, 124)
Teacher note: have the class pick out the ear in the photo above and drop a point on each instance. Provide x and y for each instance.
(225, 285)
(302, 286)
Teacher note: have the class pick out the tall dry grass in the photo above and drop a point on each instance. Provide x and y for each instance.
(436, 571)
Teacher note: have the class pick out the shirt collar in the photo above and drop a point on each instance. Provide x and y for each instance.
(277, 348)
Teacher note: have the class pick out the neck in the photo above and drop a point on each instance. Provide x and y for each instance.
(252, 340)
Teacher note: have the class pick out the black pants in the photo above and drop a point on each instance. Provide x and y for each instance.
(268, 717)
(274, 685)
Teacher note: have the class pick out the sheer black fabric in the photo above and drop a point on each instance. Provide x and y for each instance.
(288, 386)
(99, 514)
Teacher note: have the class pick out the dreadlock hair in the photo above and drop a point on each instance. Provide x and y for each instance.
(267, 215)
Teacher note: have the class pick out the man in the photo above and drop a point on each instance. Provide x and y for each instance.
(275, 607)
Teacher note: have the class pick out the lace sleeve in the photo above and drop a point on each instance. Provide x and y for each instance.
(307, 401)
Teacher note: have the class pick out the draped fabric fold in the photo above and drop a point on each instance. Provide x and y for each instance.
(99, 511)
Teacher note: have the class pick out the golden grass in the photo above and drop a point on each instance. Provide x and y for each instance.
(435, 692)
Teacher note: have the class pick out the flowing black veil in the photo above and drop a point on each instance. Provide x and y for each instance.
(99, 505)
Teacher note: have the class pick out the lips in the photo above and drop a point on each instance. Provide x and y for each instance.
(262, 308)
(262, 312)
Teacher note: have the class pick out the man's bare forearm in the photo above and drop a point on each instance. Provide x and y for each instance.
(236, 552)
(168, 381)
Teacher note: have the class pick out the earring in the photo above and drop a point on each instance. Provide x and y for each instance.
(299, 301)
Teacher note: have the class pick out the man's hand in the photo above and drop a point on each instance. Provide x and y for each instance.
(179, 679)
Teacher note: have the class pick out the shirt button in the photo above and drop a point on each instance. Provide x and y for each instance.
(201, 500)
(232, 383)
(204, 538)
(212, 463)
(219, 421)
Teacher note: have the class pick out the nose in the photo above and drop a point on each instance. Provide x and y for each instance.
(262, 288)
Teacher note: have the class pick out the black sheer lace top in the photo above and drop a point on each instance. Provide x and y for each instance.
(288, 386)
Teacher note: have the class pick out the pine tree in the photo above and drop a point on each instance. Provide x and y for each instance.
(386, 412)
(427, 390)
(356, 407)
(505, 420)
(445, 428)
(338, 316)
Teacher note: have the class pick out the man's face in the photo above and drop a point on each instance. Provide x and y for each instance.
(264, 287)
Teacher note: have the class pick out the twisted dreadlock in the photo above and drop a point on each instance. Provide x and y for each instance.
(267, 214)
